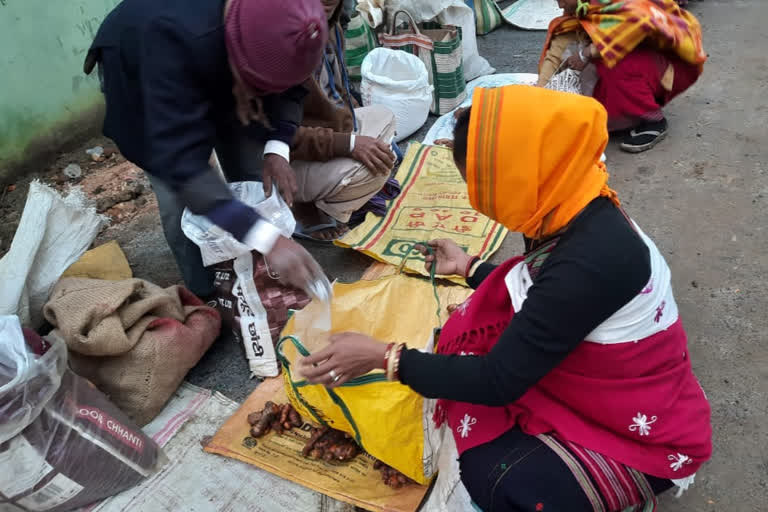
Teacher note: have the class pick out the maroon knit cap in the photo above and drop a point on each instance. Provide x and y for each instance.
(275, 44)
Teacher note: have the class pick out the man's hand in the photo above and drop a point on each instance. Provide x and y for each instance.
(279, 172)
(294, 264)
(374, 154)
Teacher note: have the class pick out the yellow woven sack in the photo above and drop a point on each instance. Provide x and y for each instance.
(389, 420)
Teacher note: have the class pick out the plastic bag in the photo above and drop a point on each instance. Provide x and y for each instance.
(216, 245)
(399, 81)
(251, 301)
(53, 233)
(569, 80)
(255, 307)
(27, 382)
(439, 48)
(446, 12)
(77, 447)
(388, 419)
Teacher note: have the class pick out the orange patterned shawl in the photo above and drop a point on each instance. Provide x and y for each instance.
(618, 27)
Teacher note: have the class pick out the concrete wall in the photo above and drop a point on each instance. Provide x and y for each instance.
(46, 102)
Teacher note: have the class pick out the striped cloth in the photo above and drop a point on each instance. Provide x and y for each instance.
(487, 15)
(609, 485)
(359, 40)
(439, 48)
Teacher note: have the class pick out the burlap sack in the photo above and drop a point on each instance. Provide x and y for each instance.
(134, 340)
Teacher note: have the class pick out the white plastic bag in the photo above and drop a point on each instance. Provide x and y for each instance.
(63, 445)
(27, 382)
(399, 81)
(236, 267)
(569, 80)
(53, 233)
(216, 245)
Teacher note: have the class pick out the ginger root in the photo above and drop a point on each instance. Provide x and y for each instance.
(324, 443)
(391, 477)
(330, 445)
(277, 418)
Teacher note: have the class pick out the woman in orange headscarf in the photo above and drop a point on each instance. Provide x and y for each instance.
(565, 378)
(645, 53)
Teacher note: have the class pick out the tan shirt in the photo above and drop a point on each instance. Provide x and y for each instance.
(554, 56)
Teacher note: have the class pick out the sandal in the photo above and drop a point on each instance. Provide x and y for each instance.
(305, 232)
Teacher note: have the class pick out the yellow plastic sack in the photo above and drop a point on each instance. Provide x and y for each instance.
(106, 262)
(389, 420)
(433, 204)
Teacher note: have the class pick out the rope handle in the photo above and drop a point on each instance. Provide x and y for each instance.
(411, 23)
(407, 255)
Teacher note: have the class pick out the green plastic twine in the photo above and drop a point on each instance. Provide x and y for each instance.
(406, 256)
(583, 8)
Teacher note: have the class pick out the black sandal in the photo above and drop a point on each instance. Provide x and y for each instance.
(645, 136)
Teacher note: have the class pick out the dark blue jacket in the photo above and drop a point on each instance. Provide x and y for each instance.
(168, 89)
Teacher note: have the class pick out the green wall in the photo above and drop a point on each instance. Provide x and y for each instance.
(46, 102)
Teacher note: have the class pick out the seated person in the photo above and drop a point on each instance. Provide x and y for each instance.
(341, 154)
(646, 53)
(565, 378)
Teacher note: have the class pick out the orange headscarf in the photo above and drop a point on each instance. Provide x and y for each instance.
(533, 157)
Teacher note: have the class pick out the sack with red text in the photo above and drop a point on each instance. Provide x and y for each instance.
(252, 301)
(256, 306)
(63, 444)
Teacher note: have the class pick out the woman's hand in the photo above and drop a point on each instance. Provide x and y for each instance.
(348, 356)
(449, 257)
(576, 62)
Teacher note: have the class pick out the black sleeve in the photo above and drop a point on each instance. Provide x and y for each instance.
(285, 112)
(179, 131)
(481, 272)
(578, 288)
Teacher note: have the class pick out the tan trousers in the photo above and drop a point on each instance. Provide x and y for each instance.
(341, 186)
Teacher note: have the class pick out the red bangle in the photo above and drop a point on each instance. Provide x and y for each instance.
(472, 261)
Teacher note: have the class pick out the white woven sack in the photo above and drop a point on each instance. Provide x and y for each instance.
(53, 233)
(398, 81)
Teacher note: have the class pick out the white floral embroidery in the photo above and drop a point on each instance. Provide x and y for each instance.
(466, 425)
(462, 353)
(464, 305)
(642, 424)
(678, 461)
